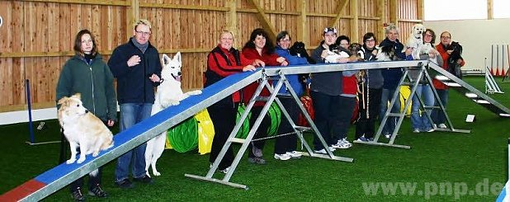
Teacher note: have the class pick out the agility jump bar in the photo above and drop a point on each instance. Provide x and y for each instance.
(60, 176)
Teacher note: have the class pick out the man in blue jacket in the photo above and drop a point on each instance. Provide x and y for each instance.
(137, 67)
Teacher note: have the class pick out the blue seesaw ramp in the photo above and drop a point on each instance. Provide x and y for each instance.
(63, 174)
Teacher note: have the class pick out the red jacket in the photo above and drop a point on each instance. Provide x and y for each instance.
(222, 63)
(440, 48)
(350, 85)
(270, 60)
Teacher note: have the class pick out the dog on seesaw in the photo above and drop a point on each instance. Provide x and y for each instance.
(169, 93)
(415, 41)
(82, 129)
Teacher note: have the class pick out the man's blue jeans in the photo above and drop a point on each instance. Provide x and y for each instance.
(131, 114)
(387, 95)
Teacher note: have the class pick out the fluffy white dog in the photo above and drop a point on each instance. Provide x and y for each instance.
(82, 129)
(415, 40)
(169, 93)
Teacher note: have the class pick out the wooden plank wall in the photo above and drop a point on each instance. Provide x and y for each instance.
(37, 36)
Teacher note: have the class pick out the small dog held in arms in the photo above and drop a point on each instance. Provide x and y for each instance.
(169, 93)
(386, 53)
(415, 40)
(82, 129)
(298, 49)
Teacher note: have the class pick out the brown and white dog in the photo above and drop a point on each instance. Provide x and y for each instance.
(169, 93)
(82, 129)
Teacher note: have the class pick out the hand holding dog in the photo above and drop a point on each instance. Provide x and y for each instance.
(110, 123)
(134, 60)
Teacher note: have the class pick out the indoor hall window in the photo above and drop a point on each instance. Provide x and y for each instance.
(455, 9)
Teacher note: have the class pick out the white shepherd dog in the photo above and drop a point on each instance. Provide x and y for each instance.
(169, 93)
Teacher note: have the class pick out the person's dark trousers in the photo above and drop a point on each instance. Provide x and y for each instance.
(287, 143)
(366, 125)
(343, 122)
(93, 180)
(224, 120)
(326, 113)
(261, 131)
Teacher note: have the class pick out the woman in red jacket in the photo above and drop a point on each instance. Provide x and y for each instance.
(259, 47)
(442, 89)
(223, 61)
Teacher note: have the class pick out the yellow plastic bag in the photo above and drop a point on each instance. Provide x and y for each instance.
(205, 132)
(167, 144)
(405, 92)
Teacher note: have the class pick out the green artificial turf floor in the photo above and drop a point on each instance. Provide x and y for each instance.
(440, 166)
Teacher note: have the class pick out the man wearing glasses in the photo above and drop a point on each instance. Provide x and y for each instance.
(137, 67)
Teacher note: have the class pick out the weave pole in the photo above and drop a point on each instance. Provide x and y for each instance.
(30, 122)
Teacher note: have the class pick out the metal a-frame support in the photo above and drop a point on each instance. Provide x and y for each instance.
(470, 92)
(407, 80)
(245, 142)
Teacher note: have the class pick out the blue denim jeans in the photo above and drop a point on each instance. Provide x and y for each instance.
(438, 116)
(386, 96)
(131, 114)
(420, 121)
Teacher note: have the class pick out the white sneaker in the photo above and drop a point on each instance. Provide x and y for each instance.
(225, 171)
(388, 136)
(442, 125)
(322, 151)
(282, 157)
(341, 144)
(338, 145)
(416, 130)
(294, 154)
(347, 142)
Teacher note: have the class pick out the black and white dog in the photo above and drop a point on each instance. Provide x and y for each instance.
(386, 53)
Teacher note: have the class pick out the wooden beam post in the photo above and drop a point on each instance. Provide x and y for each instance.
(420, 5)
(354, 21)
(490, 11)
(381, 13)
(339, 8)
(264, 20)
(232, 19)
(394, 12)
(302, 28)
(132, 15)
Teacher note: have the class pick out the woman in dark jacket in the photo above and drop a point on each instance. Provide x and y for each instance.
(86, 73)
